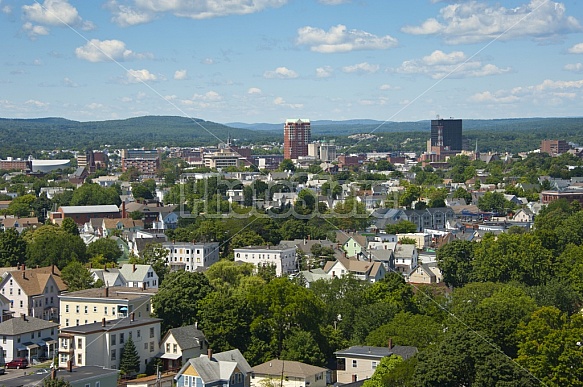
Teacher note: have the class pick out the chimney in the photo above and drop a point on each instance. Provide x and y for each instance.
(18, 266)
(123, 210)
(70, 365)
(210, 354)
(23, 315)
(53, 269)
(133, 267)
(390, 343)
(23, 274)
(309, 237)
(23, 267)
(103, 322)
(107, 291)
(132, 317)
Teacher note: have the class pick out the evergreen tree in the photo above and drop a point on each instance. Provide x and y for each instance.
(129, 362)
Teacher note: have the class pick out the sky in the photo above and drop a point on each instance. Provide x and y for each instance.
(269, 60)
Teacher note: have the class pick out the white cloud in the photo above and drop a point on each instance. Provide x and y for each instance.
(281, 72)
(279, 101)
(324, 72)
(548, 90)
(254, 90)
(67, 82)
(105, 50)
(180, 74)
(36, 103)
(439, 64)
(94, 106)
(144, 11)
(209, 96)
(475, 21)
(388, 87)
(7, 9)
(363, 67)
(340, 39)
(576, 49)
(576, 67)
(333, 2)
(207, 61)
(52, 13)
(135, 76)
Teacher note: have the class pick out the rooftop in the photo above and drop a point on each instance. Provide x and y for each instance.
(114, 292)
(110, 325)
(21, 325)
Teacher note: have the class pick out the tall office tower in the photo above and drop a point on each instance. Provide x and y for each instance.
(447, 134)
(296, 136)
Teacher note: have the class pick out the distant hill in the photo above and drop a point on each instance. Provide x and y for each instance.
(28, 135)
(21, 137)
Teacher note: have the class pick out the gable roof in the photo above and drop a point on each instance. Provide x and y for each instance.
(34, 281)
(126, 222)
(218, 368)
(289, 368)
(377, 352)
(18, 325)
(131, 275)
(187, 337)
(353, 265)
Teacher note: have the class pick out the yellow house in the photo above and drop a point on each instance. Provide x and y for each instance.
(110, 303)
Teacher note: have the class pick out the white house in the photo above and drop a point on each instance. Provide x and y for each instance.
(406, 258)
(33, 292)
(191, 256)
(363, 270)
(139, 276)
(28, 337)
(282, 257)
(288, 374)
(101, 343)
(180, 344)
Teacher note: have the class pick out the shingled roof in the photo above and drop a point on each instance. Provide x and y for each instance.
(289, 368)
(20, 325)
(34, 281)
(187, 337)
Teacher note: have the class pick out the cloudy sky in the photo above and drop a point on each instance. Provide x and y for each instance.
(268, 60)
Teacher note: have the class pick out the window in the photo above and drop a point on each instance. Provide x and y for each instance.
(138, 334)
(97, 384)
(19, 292)
(151, 346)
(121, 338)
(79, 359)
(21, 303)
(167, 346)
(113, 353)
(66, 322)
(3, 339)
(175, 348)
(86, 309)
(77, 309)
(105, 310)
(112, 340)
(145, 346)
(77, 322)
(374, 365)
(11, 290)
(354, 364)
(67, 308)
(151, 333)
(94, 309)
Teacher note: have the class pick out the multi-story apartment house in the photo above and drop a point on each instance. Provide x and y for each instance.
(93, 305)
(101, 343)
(296, 136)
(282, 257)
(28, 337)
(191, 256)
(34, 292)
(433, 218)
(145, 161)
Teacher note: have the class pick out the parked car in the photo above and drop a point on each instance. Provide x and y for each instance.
(20, 362)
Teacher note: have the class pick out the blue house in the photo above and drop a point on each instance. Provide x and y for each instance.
(225, 369)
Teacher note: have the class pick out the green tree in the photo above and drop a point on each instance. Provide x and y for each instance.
(305, 203)
(70, 226)
(154, 254)
(76, 276)
(129, 361)
(455, 260)
(177, 299)
(287, 165)
(401, 227)
(106, 247)
(12, 248)
(407, 328)
(384, 368)
(494, 202)
(21, 206)
(142, 191)
(408, 241)
(50, 245)
(301, 346)
(93, 194)
(59, 382)
(246, 238)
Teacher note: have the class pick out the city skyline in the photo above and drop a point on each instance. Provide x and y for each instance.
(268, 60)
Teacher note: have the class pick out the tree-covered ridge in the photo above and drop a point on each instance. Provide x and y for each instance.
(18, 136)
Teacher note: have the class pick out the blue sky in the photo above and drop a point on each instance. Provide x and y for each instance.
(268, 60)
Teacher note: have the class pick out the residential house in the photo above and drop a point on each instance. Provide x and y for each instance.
(433, 218)
(87, 376)
(101, 343)
(110, 277)
(524, 215)
(165, 379)
(282, 257)
(34, 292)
(406, 258)
(227, 368)
(287, 373)
(384, 256)
(181, 344)
(307, 277)
(385, 216)
(19, 224)
(5, 312)
(93, 305)
(191, 256)
(353, 243)
(426, 273)
(28, 337)
(137, 241)
(364, 270)
(360, 362)
(139, 276)
(111, 226)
